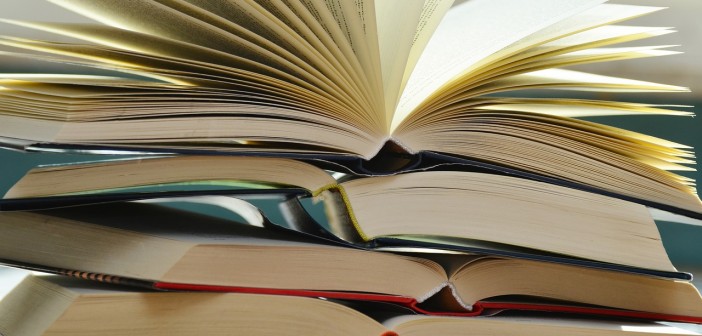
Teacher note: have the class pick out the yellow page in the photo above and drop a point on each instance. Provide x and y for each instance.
(579, 108)
(613, 33)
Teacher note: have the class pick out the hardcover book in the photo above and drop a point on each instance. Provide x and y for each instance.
(33, 305)
(163, 248)
(448, 207)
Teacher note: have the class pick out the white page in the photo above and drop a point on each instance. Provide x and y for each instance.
(473, 31)
(432, 14)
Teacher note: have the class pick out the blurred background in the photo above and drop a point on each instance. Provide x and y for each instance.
(683, 242)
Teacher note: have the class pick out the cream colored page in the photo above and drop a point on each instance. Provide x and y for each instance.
(582, 22)
(611, 32)
(275, 35)
(366, 27)
(397, 22)
(343, 19)
(354, 22)
(579, 57)
(247, 21)
(322, 13)
(432, 14)
(319, 22)
(313, 29)
(473, 31)
(104, 243)
(353, 18)
(30, 296)
(582, 81)
(505, 209)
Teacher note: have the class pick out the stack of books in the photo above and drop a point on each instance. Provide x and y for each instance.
(417, 189)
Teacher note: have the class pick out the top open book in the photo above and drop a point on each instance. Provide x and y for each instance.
(359, 79)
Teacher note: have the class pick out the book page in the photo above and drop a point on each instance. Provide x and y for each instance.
(592, 55)
(473, 31)
(607, 35)
(176, 51)
(432, 14)
(34, 246)
(529, 49)
(506, 210)
(322, 14)
(186, 64)
(137, 15)
(310, 24)
(577, 108)
(255, 24)
(356, 20)
(569, 79)
(395, 37)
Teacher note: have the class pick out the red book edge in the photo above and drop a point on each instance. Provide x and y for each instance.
(479, 308)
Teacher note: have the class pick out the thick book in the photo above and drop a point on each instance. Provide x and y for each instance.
(352, 84)
(163, 248)
(449, 209)
(41, 305)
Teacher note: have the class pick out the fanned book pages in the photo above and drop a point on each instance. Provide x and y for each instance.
(350, 80)
(41, 305)
(158, 247)
(454, 209)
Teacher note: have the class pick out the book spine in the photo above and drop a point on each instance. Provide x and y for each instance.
(106, 278)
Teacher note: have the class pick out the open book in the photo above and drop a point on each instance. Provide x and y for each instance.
(163, 248)
(34, 305)
(448, 207)
(337, 79)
